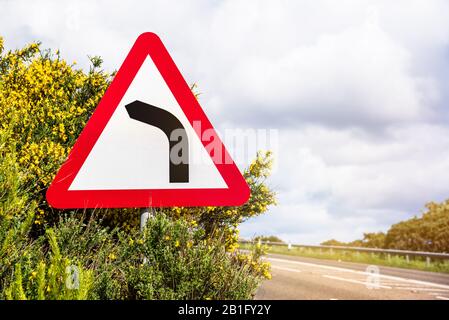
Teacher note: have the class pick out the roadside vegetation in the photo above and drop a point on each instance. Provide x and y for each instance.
(268, 239)
(79, 259)
(185, 253)
(362, 257)
(429, 233)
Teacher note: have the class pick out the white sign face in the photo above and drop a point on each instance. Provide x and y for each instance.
(130, 154)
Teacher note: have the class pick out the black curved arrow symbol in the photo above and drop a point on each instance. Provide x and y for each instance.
(174, 131)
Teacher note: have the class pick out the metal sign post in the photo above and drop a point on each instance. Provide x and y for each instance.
(144, 215)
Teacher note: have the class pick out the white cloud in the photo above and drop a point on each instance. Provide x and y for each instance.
(339, 184)
(356, 77)
(358, 89)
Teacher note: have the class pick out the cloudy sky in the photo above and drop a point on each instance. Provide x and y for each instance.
(358, 90)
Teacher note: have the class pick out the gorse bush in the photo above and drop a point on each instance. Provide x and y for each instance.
(184, 253)
(44, 104)
(13, 199)
(76, 260)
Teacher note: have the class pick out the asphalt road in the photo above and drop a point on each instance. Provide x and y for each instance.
(298, 278)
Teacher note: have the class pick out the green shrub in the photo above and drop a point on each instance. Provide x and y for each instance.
(46, 101)
(44, 104)
(170, 260)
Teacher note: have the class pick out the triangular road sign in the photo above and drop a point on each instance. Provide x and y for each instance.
(148, 144)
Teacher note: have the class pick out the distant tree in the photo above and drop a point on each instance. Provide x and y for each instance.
(373, 240)
(356, 243)
(370, 240)
(333, 242)
(268, 238)
(427, 233)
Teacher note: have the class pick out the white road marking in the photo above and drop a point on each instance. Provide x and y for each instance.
(396, 283)
(285, 269)
(415, 282)
(434, 293)
(312, 265)
(422, 289)
(442, 298)
(374, 286)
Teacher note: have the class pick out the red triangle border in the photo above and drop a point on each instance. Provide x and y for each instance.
(58, 195)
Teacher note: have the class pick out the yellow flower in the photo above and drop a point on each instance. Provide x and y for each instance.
(189, 244)
(112, 256)
(267, 275)
(33, 274)
(177, 243)
(167, 238)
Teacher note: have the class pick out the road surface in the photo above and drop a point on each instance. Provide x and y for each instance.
(298, 278)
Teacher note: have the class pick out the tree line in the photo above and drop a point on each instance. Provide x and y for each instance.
(429, 232)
